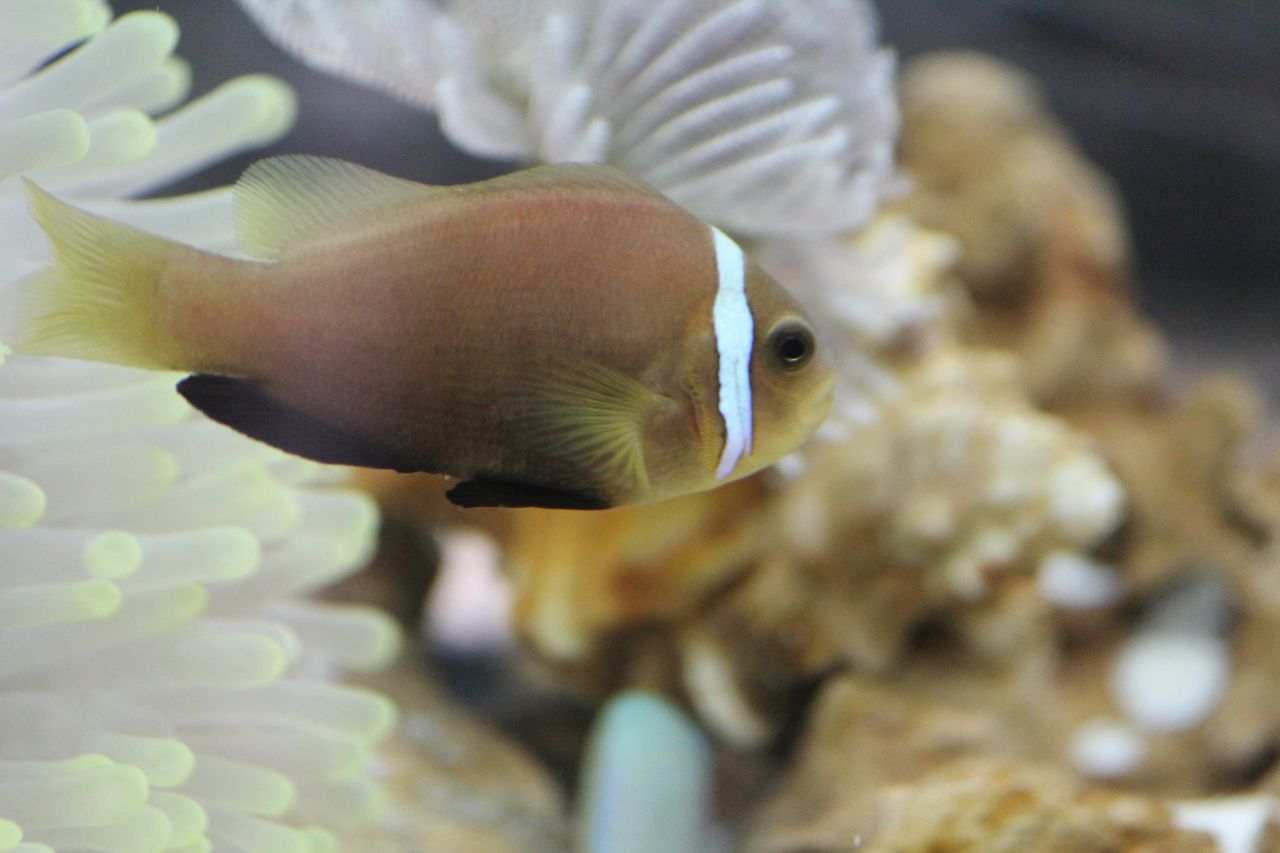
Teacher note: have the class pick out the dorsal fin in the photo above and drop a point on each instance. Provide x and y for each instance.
(285, 203)
(566, 176)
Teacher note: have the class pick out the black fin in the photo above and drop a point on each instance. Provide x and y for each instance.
(243, 405)
(482, 491)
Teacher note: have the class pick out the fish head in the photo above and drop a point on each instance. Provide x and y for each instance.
(791, 374)
(756, 379)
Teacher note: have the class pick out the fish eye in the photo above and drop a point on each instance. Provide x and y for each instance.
(793, 344)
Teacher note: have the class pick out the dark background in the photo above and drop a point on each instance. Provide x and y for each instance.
(1178, 100)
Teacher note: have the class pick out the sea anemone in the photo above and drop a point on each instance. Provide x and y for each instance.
(762, 116)
(163, 684)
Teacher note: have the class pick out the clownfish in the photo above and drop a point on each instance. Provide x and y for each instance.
(563, 336)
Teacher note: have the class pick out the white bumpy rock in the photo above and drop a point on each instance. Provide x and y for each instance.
(164, 683)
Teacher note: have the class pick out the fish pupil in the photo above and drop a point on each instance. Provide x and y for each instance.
(792, 349)
(794, 346)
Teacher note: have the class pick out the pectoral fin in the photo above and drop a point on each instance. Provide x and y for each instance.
(246, 407)
(594, 417)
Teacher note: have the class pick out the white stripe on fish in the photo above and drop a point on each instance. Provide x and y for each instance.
(735, 331)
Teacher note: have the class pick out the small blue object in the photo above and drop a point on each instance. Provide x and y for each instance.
(646, 781)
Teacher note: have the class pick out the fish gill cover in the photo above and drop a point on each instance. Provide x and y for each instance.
(164, 683)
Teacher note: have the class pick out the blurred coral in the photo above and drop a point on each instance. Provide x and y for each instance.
(1044, 248)
(890, 769)
(450, 782)
(1046, 266)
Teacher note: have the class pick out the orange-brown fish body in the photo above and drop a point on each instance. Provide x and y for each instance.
(547, 336)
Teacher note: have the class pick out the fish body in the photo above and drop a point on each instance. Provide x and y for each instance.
(563, 336)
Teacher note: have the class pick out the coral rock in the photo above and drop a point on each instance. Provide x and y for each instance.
(581, 576)
(1044, 246)
(891, 769)
(453, 783)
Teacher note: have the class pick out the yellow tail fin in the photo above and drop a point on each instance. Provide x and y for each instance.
(99, 300)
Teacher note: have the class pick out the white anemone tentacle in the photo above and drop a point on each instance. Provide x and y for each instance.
(750, 91)
(163, 687)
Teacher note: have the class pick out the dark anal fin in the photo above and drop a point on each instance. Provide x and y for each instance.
(243, 405)
(486, 492)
